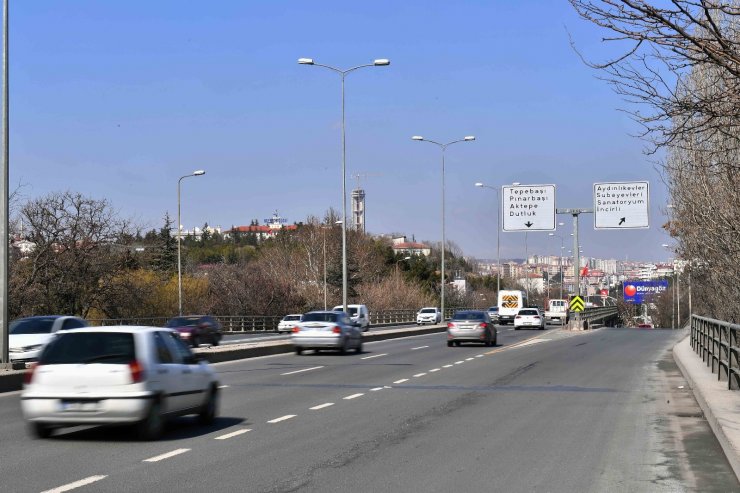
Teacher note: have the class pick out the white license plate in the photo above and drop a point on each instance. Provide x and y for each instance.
(76, 406)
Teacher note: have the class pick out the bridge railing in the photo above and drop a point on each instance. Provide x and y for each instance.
(717, 342)
(269, 323)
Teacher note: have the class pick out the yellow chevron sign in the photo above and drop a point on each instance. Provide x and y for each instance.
(576, 304)
(510, 301)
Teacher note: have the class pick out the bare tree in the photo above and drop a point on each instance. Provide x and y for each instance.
(663, 42)
(76, 254)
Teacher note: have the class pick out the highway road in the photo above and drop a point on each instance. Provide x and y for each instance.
(603, 410)
(275, 336)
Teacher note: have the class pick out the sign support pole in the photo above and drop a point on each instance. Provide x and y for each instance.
(576, 255)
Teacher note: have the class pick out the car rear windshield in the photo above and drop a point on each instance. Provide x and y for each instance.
(493, 309)
(89, 347)
(528, 312)
(428, 310)
(469, 316)
(32, 326)
(291, 317)
(320, 317)
(183, 322)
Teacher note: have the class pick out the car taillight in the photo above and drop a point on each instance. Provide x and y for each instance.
(518, 316)
(337, 329)
(296, 329)
(28, 377)
(137, 372)
(483, 325)
(537, 317)
(450, 325)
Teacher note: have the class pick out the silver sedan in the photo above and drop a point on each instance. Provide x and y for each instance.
(326, 330)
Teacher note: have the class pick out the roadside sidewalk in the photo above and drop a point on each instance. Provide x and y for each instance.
(721, 406)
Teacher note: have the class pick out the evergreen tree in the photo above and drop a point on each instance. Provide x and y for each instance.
(165, 256)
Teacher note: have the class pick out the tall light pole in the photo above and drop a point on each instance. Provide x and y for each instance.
(498, 235)
(323, 228)
(199, 172)
(4, 205)
(562, 247)
(443, 147)
(380, 62)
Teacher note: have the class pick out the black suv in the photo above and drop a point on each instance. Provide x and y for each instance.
(197, 329)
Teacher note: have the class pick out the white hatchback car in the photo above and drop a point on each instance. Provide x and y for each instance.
(529, 317)
(114, 376)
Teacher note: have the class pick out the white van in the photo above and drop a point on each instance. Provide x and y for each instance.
(509, 304)
(358, 314)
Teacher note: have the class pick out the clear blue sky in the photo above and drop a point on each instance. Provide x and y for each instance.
(117, 100)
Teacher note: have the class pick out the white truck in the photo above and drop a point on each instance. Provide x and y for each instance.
(557, 310)
(509, 304)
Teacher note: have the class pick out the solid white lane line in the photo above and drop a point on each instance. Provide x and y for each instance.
(76, 484)
(468, 359)
(376, 389)
(402, 380)
(167, 455)
(301, 371)
(436, 369)
(321, 406)
(353, 396)
(420, 347)
(419, 375)
(375, 356)
(447, 366)
(232, 434)
(459, 362)
(282, 418)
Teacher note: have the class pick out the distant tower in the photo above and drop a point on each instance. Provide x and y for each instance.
(358, 209)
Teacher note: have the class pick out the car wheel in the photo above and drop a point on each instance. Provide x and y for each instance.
(457, 343)
(449, 343)
(40, 430)
(495, 340)
(516, 327)
(488, 340)
(358, 349)
(208, 412)
(151, 427)
(215, 340)
(195, 341)
(299, 351)
(343, 349)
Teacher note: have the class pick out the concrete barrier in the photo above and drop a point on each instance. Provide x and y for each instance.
(13, 380)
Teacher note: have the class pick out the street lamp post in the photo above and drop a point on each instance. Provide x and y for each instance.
(323, 228)
(562, 247)
(443, 147)
(380, 62)
(498, 235)
(199, 172)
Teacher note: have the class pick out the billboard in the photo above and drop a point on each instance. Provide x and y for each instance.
(643, 291)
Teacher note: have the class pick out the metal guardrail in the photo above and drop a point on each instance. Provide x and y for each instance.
(597, 313)
(269, 323)
(716, 342)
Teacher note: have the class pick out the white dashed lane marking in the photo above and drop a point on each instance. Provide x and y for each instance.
(76, 484)
(402, 380)
(419, 375)
(435, 369)
(282, 418)
(167, 455)
(468, 359)
(232, 434)
(376, 389)
(447, 366)
(321, 406)
(353, 396)
(301, 371)
(375, 356)
(478, 355)
(459, 362)
(420, 347)
(223, 386)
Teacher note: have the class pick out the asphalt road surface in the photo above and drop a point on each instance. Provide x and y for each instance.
(604, 410)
